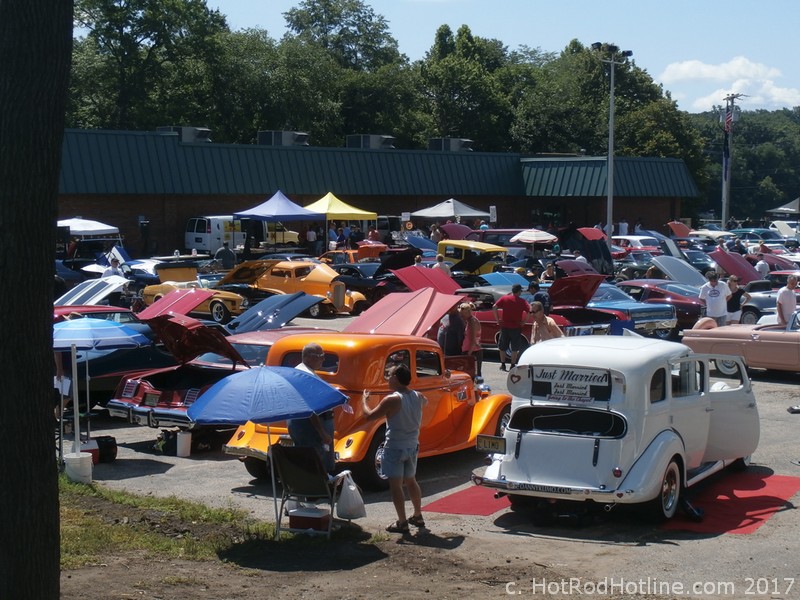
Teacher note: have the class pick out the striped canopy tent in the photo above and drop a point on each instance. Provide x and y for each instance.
(335, 209)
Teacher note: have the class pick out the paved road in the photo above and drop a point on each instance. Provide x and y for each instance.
(618, 543)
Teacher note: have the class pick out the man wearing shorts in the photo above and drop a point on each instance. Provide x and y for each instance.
(403, 412)
(515, 311)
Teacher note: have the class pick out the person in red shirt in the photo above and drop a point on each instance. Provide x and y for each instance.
(515, 311)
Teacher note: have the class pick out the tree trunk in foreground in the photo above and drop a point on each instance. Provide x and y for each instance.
(35, 50)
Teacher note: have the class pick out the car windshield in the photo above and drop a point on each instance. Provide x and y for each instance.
(253, 354)
(697, 256)
(608, 292)
(679, 288)
(641, 257)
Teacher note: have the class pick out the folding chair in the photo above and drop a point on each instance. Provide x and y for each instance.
(303, 479)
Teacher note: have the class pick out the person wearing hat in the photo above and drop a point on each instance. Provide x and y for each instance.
(113, 269)
(716, 298)
(515, 311)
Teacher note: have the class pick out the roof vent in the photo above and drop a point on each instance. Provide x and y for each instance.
(282, 138)
(371, 142)
(188, 135)
(450, 144)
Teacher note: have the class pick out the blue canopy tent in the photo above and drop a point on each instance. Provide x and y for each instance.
(279, 208)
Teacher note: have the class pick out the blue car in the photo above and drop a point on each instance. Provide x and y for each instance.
(648, 319)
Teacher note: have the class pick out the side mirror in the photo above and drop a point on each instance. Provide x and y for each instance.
(447, 373)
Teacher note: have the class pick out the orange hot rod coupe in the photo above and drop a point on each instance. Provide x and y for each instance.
(457, 410)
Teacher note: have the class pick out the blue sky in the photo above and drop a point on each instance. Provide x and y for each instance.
(699, 50)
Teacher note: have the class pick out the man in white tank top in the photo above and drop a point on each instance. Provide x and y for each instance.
(403, 412)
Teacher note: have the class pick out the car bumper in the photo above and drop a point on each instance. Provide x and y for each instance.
(151, 417)
(556, 492)
(654, 324)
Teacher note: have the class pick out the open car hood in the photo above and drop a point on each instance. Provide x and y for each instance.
(735, 264)
(417, 278)
(273, 312)
(575, 267)
(679, 270)
(396, 260)
(93, 291)
(177, 302)
(503, 278)
(576, 290)
(422, 243)
(472, 263)
(187, 338)
(404, 313)
(247, 272)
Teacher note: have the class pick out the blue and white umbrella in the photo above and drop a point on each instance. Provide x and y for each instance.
(90, 334)
(95, 334)
(264, 395)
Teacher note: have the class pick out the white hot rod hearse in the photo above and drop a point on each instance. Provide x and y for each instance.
(618, 419)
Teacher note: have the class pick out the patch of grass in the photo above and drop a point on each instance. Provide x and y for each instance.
(97, 523)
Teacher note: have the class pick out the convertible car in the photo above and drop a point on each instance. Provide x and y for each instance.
(606, 420)
(761, 346)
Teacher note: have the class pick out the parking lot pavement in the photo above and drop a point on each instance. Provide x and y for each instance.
(617, 543)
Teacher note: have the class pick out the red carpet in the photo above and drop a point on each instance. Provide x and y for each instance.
(474, 500)
(737, 503)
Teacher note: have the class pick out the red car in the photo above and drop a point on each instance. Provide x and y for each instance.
(685, 298)
(161, 397)
(569, 296)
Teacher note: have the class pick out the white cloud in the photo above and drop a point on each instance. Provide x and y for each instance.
(690, 83)
(736, 68)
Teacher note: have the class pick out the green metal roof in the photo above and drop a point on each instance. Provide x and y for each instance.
(131, 163)
(587, 176)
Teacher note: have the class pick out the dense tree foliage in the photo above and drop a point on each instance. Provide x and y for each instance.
(338, 71)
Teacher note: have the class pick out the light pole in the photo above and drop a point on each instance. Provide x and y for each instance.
(614, 52)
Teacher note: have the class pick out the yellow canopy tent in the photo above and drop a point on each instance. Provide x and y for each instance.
(335, 209)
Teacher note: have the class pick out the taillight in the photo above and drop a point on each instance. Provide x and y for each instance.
(130, 388)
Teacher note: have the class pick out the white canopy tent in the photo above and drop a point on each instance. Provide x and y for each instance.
(80, 227)
(793, 208)
(450, 209)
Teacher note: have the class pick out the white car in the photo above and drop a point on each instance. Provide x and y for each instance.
(617, 420)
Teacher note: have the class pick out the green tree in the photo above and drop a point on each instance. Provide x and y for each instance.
(349, 30)
(35, 46)
(134, 41)
(464, 96)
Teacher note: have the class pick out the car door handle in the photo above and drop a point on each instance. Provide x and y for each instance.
(709, 409)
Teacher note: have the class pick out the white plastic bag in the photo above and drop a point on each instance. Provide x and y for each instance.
(350, 504)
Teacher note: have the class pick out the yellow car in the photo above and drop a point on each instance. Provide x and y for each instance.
(221, 307)
(261, 278)
(475, 258)
(457, 410)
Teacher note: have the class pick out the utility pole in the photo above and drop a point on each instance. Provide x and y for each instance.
(727, 153)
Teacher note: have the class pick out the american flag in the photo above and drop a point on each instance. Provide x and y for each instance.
(728, 119)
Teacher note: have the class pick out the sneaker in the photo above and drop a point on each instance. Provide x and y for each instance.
(513, 365)
(503, 367)
(794, 409)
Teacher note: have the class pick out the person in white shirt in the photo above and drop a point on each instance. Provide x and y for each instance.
(716, 298)
(762, 267)
(787, 301)
(441, 265)
(113, 269)
(580, 257)
(623, 227)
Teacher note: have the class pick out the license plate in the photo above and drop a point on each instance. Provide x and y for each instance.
(491, 444)
(151, 400)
